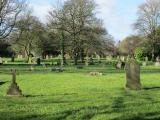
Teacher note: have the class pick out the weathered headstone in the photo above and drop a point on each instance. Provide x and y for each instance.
(119, 64)
(30, 60)
(98, 58)
(132, 69)
(144, 63)
(157, 64)
(20, 56)
(87, 61)
(38, 61)
(14, 89)
(122, 58)
(47, 57)
(146, 59)
(5, 62)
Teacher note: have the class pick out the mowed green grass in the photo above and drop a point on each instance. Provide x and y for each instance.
(79, 96)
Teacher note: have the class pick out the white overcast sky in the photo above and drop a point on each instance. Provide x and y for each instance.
(118, 15)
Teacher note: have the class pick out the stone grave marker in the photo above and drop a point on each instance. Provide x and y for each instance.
(119, 64)
(47, 57)
(98, 58)
(87, 61)
(132, 69)
(144, 63)
(38, 61)
(14, 89)
(122, 58)
(157, 64)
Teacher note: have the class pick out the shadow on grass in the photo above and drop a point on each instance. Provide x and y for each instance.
(117, 106)
(1, 83)
(151, 88)
(65, 94)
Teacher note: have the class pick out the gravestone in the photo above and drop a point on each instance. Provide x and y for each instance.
(98, 58)
(119, 64)
(47, 57)
(30, 60)
(87, 61)
(157, 64)
(12, 58)
(14, 89)
(122, 58)
(146, 59)
(38, 61)
(144, 63)
(132, 69)
(20, 57)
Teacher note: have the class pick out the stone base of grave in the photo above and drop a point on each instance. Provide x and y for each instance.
(133, 86)
(14, 90)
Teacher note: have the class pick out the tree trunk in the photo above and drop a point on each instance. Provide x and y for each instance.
(62, 49)
(81, 56)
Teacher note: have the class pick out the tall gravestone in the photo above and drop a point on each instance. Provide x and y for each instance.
(132, 69)
(14, 89)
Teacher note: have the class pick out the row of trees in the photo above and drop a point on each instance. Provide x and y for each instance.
(72, 28)
(147, 41)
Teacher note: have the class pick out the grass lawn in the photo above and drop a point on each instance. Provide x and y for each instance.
(74, 95)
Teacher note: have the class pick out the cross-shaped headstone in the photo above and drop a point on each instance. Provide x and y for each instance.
(14, 89)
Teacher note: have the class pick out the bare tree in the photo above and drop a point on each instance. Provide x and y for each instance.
(149, 20)
(9, 11)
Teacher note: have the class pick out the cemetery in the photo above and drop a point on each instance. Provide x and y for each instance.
(96, 91)
(69, 65)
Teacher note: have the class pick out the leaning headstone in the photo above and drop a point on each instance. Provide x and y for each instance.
(132, 69)
(14, 89)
